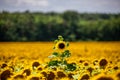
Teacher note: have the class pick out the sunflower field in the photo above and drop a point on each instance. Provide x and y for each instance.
(60, 60)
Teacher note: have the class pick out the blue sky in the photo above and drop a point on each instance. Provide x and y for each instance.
(100, 6)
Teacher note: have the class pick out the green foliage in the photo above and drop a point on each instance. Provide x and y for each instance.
(71, 67)
(58, 59)
(60, 38)
(62, 62)
(53, 63)
(65, 54)
(55, 54)
(74, 26)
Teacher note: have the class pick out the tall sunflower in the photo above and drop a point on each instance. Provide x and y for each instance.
(61, 45)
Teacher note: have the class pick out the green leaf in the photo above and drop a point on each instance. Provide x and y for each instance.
(76, 76)
(65, 62)
(67, 44)
(60, 38)
(66, 53)
(71, 67)
(56, 41)
(55, 54)
(53, 63)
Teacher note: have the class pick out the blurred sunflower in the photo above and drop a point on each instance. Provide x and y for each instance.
(103, 76)
(61, 45)
(118, 75)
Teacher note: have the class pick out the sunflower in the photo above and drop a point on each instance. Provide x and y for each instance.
(61, 45)
(103, 76)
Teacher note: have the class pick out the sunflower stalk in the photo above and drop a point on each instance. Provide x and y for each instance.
(58, 58)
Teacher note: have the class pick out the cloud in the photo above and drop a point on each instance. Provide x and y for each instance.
(86, 5)
(33, 3)
(112, 6)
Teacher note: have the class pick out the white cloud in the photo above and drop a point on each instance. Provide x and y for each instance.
(34, 3)
(61, 5)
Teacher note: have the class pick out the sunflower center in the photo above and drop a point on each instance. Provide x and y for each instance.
(61, 46)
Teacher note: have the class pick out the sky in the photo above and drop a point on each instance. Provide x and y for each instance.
(90, 6)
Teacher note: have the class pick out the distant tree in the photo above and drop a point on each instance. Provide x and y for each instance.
(74, 26)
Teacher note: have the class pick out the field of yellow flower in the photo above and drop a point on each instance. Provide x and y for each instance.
(31, 61)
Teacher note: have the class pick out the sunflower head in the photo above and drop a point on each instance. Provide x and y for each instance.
(60, 44)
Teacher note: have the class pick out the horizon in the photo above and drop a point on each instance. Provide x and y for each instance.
(28, 11)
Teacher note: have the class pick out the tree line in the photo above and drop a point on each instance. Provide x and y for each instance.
(74, 26)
